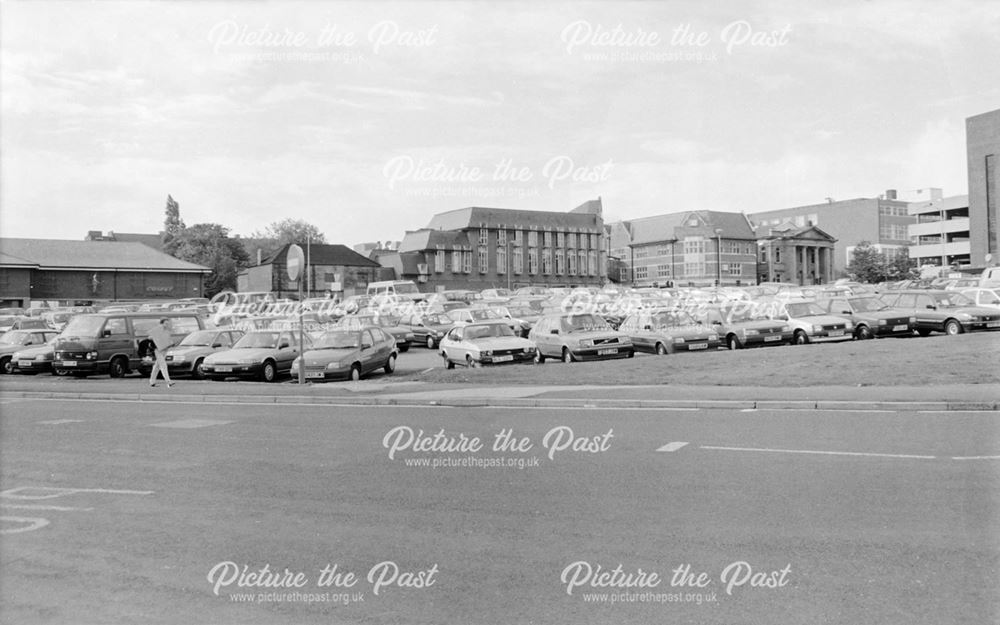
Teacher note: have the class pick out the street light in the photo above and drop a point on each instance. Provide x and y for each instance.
(718, 257)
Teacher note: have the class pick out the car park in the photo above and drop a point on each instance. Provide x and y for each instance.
(872, 317)
(485, 343)
(13, 341)
(34, 359)
(668, 331)
(811, 324)
(347, 354)
(186, 357)
(944, 311)
(572, 337)
(743, 326)
(262, 354)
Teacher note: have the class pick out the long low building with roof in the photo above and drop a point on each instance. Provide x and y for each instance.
(34, 270)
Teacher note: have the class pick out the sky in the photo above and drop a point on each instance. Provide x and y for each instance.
(366, 119)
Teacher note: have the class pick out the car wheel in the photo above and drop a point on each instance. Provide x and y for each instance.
(661, 349)
(472, 364)
(567, 356)
(60, 372)
(355, 372)
(390, 365)
(447, 363)
(199, 371)
(269, 373)
(864, 333)
(117, 368)
(801, 338)
(7, 366)
(539, 357)
(952, 327)
(430, 342)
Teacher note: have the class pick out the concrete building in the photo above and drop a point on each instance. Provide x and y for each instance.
(334, 269)
(883, 221)
(696, 248)
(479, 248)
(941, 235)
(87, 271)
(982, 140)
(794, 254)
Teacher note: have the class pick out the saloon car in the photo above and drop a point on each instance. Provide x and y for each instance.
(744, 325)
(944, 311)
(872, 317)
(187, 357)
(811, 324)
(572, 337)
(35, 359)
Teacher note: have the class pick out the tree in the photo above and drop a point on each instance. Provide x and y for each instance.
(173, 225)
(210, 245)
(289, 230)
(902, 267)
(867, 264)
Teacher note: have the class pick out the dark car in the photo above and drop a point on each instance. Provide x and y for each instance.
(744, 326)
(263, 354)
(669, 331)
(943, 311)
(15, 340)
(348, 354)
(427, 328)
(872, 317)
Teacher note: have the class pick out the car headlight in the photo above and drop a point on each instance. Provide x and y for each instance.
(913, 319)
(488, 352)
(529, 350)
(749, 332)
(715, 337)
(295, 364)
(786, 328)
(42, 356)
(179, 357)
(586, 342)
(849, 325)
(247, 361)
(679, 340)
(882, 322)
(817, 328)
(91, 355)
(964, 316)
(333, 365)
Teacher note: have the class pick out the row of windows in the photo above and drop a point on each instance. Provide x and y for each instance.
(562, 239)
(700, 246)
(895, 211)
(562, 261)
(696, 269)
(896, 232)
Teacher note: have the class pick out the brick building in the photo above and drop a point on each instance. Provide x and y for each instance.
(334, 269)
(982, 140)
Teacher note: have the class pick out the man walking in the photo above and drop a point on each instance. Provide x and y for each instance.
(161, 338)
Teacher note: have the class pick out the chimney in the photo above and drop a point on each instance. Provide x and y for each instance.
(890, 194)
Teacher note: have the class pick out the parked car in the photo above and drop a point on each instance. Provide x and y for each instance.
(744, 326)
(187, 357)
(578, 337)
(811, 324)
(262, 354)
(485, 343)
(13, 341)
(404, 337)
(872, 317)
(348, 354)
(668, 331)
(944, 311)
(35, 359)
(983, 297)
(427, 328)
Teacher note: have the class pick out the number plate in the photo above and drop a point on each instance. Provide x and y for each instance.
(773, 337)
(69, 363)
(312, 375)
(899, 328)
(224, 369)
(697, 346)
(23, 363)
(606, 352)
(502, 358)
(993, 324)
(835, 333)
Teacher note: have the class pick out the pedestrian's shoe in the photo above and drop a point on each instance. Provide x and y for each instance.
(170, 384)
(152, 385)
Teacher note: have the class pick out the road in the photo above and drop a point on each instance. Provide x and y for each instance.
(129, 512)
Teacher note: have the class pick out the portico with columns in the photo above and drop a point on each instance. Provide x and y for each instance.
(795, 255)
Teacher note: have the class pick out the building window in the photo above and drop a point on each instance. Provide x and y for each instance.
(532, 238)
(456, 261)
(546, 260)
(532, 260)
(560, 239)
(501, 259)
(663, 250)
(693, 270)
(694, 246)
(571, 240)
(501, 237)
(593, 262)
(518, 262)
(623, 274)
(560, 261)
(777, 255)
(547, 239)
(467, 264)
(641, 252)
(663, 271)
(518, 237)
(484, 236)
(732, 269)
(439, 261)
(593, 241)
(641, 273)
(484, 259)
(582, 262)
(571, 258)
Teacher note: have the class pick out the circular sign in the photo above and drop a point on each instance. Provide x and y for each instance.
(294, 261)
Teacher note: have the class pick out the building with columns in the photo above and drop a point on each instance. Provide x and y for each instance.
(800, 255)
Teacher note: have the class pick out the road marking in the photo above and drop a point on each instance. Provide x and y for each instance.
(975, 457)
(824, 453)
(60, 421)
(189, 423)
(672, 446)
(28, 506)
(16, 493)
(36, 523)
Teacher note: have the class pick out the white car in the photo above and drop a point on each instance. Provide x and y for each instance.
(990, 298)
(811, 324)
(485, 343)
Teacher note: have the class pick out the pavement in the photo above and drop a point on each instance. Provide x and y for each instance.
(951, 397)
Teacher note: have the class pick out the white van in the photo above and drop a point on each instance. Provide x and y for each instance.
(405, 289)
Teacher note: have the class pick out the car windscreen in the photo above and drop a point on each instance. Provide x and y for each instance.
(804, 309)
(437, 320)
(867, 304)
(583, 323)
(83, 325)
(485, 331)
(266, 340)
(952, 300)
(14, 337)
(202, 338)
(668, 319)
(338, 340)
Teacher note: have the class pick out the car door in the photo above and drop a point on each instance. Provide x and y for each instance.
(384, 344)
(115, 338)
(456, 345)
(288, 349)
(927, 313)
(543, 336)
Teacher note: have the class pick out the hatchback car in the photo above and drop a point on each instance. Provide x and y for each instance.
(404, 337)
(944, 311)
(427, 328)
(187, 357)
(263, 354)
(578, 337)
(348, 354)
(872, 317)
(742, 326)
(14, 340)
(35, 359)
(811, 324)
(668, 331)
(485, 343)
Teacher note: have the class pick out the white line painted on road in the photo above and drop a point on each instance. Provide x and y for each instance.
(35, 523)
(60, 421)
(52, 492)
(824, 453)
(975, 458)
(187, 424)
(672, 446)
(28, 506)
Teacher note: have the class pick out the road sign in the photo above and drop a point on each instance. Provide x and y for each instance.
(294, 261)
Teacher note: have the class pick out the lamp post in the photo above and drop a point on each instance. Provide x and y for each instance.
(718, 257)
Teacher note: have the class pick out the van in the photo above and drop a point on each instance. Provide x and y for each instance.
(990, 278)
(405, 289)
(114, 343)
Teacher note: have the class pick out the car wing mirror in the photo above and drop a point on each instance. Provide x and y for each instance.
(845, 312)
(283, 345)
(366, 345)
(216, 344)
(106, 333)
(931, 307)
(647, 327)
(554, 331)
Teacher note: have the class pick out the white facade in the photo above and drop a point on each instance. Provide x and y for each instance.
(941, 234)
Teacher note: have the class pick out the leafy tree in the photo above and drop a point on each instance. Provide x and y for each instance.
(173, 225)
(288, 230)
(902, 267)
(211, 246)
(867, 263)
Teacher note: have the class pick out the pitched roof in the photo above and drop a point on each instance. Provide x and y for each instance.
(475, 216)
(154, 241)
(325, 254)
(90, 255)
(429, 240)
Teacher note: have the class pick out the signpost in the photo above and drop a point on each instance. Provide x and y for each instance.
(294, 261)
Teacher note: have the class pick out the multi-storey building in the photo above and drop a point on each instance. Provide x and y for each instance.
(696, 248)
(982, 140)
(941, 235)
(479, 248)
